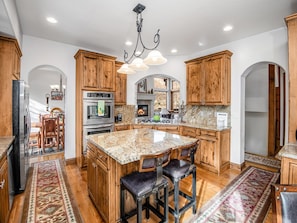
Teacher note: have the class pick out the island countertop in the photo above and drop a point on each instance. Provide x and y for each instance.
(127, 146)
(288, 151)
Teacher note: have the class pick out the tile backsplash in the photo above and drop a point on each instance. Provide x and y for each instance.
(194, 114)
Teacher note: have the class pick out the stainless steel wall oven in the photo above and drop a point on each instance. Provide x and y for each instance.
(98, 114)
(91, 107)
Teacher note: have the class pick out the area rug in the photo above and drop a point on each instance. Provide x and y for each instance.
(245, 199)
(48, 196)
(266, 161)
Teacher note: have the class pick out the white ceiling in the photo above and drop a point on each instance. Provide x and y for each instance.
(104, 26)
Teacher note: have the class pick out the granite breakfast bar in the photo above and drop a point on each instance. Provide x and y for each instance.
(113, 155)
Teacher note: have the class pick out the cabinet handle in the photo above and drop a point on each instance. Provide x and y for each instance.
(2, 184)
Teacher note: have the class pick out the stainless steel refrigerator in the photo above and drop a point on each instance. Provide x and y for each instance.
(21, 131)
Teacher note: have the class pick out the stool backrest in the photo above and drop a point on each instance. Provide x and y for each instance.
(150, 162)
(284, 203)
(188, 151)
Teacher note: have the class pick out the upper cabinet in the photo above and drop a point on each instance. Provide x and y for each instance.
(209, 79)
(121, 86)
(10, 56)
(95, 71)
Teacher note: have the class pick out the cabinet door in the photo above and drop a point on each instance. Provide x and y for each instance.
(214, 80)
(4, 193)
(207, 152)
(92, 178)
(195, 82)
(121, 89)
(107, 75)
(103, 191)
(90, 72)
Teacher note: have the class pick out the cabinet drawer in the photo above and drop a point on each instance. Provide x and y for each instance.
(122, 127)
(186, 131)
(209, 133)
(170, 128)
(96, 153)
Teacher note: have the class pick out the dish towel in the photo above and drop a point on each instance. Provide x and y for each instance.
(101, 108)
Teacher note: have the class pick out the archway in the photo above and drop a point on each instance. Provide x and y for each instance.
(264, 108)
(47, 90)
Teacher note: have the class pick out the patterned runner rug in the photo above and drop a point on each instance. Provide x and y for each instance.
(47, 196)
(245, 199)
(262, 160)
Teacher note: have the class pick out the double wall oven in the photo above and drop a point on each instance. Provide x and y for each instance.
(98, 113)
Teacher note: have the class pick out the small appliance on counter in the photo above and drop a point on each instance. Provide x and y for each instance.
(222, 119)
(164, 115)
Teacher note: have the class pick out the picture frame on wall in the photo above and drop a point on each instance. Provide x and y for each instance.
(142, 86)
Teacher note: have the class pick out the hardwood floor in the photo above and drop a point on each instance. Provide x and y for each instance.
(208, 184)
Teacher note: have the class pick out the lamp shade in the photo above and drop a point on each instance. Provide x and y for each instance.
(125, 69)
(155, 58)
(138, 65)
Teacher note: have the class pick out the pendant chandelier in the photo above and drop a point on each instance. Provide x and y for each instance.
(135, 62)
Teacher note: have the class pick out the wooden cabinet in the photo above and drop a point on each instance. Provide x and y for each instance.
(174, 129)
(214, 148)
(94, 72)
(214, 151)
(209, 79)
(121, 127)
(99, 178)
(140, 126)
(4, 193)
(10, 55)
(121, 86)
(292, 57)
(288, 171)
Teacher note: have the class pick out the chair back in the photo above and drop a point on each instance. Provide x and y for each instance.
(284, 203)
(188, 151)
(155, 162)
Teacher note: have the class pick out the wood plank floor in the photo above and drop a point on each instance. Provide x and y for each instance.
(208, 185)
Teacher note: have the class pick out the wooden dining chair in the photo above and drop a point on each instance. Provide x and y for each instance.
(50, 132)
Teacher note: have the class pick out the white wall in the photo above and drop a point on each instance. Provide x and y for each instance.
(270, 46)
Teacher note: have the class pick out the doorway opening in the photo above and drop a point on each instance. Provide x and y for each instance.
(265, 109)
(47, 90)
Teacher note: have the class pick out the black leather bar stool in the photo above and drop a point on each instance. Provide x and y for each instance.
(147, 181)
(178, 169)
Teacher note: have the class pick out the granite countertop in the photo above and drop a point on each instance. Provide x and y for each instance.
(5, 142)
(127, 146)
(288, 151)
(206, 127)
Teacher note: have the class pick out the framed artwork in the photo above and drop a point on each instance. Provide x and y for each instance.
(142, 86)
(57, 95)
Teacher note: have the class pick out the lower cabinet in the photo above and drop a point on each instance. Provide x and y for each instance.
(99, 177)
(4, 193)
(214, 149)
(288, 171)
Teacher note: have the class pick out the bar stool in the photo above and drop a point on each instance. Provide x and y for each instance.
(178, 169)
(146, 181)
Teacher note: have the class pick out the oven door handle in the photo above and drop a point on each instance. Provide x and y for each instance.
(98, 126)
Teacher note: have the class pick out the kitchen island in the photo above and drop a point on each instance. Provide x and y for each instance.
(116, 154)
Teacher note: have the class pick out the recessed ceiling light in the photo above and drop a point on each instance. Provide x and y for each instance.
(128, 43)
(51, 20)
(200, 44)
(174, 51)
(228, 28)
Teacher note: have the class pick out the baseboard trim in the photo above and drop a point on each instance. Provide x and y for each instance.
(237, 166)
(71, 161)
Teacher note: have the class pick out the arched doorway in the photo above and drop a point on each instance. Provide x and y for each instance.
(47, 89)
(264, 108)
